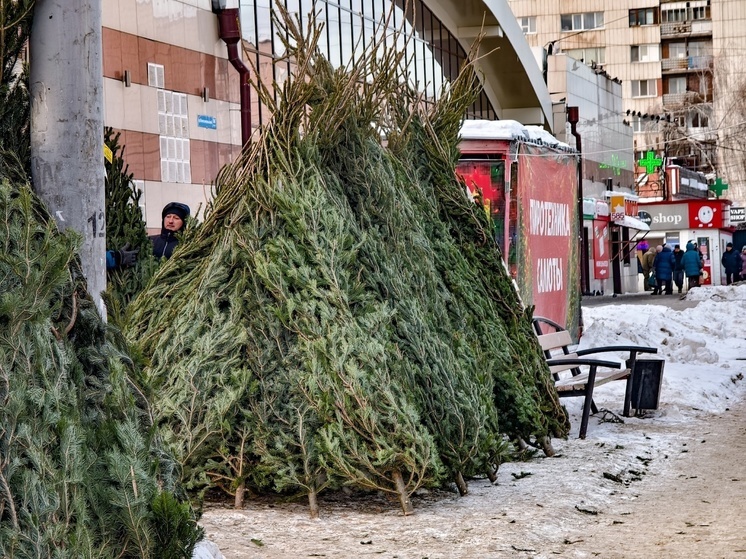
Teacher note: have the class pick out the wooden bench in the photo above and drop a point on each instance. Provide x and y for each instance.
(577, 375)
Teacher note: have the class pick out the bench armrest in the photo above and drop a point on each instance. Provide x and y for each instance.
(606, 349)
(539, 320)
(574, 362)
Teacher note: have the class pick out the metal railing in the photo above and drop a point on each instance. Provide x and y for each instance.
(679, 98)
(703, 62)
(697, 27)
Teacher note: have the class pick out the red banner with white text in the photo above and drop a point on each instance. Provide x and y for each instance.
(548, 274)
(601, 250)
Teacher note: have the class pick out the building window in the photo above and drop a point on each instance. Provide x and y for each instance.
(677, 50)
(645, 53)
(643, 88)
(677, 12)
(582, 22)
(643, 16)
(173, 119)
(700, 48)
(700, 119)
(527, 25)
(156, 75)
(590, 55)
(701, 12)
(677, 85)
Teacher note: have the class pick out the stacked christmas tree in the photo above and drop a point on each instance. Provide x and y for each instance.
(341, 317)
(82, 473)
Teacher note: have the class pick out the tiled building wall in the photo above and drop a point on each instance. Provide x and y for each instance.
(182, 37)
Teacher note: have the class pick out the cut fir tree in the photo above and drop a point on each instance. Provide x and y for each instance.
(341, 317)
(80, 473)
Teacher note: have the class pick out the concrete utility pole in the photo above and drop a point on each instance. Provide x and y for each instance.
(67, 126)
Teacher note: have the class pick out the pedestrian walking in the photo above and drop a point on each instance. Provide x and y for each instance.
(731, 261)
(663, 264)
(743, 262)
(692, 265)
(647, 266)
(678, 267)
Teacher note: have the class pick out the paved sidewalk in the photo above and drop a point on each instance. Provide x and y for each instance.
(645, 298)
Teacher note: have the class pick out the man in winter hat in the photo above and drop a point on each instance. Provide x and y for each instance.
(731, 261)
(174, 216)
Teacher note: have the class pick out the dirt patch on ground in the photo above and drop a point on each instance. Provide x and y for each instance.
(672, 490)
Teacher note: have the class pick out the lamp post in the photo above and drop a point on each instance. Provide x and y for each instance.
(573, 117)
(67, 126)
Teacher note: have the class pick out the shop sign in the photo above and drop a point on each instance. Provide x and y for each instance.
(617, 207)
(705, 215)
(695, 214)
(737, 215)
(602, 209)
(665, 217)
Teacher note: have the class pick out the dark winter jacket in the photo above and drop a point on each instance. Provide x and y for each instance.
(743, 264)
(663, 264)
(648, 259)
(691, 261)
(164, 244)
(678, 261)
(731, 261)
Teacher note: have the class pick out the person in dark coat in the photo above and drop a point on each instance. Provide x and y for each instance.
(663, 264)
(678, 267)
(731, 261)
(648, 259)
(174, 217)
(692, 264)
(743, 262)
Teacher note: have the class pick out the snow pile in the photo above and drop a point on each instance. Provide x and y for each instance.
(704, 348)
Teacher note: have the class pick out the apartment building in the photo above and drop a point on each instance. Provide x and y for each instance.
(682, 83)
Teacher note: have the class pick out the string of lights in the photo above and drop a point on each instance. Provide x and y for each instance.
(662, 143)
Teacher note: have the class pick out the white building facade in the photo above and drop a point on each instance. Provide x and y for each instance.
(679, 63)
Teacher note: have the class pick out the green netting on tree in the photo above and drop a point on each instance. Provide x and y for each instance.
(342, 316)
(81, 474)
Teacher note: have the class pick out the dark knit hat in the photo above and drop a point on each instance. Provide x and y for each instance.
(729, 245)
(176, 208)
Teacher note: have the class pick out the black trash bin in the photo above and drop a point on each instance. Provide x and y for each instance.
(647, 377)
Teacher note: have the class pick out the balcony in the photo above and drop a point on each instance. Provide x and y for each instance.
(689, 28)
(686, 98)
(668, 64)
(690, 63)
(702, 134)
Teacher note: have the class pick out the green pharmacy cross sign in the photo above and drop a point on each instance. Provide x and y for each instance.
(719, 187)
(650, 162)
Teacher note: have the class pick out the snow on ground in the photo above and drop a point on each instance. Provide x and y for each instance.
(704, 348)
(539, 505)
